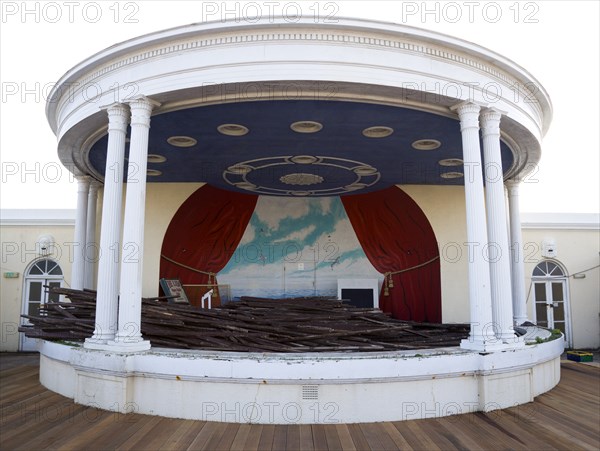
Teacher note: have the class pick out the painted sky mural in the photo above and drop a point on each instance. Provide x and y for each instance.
(296, 247)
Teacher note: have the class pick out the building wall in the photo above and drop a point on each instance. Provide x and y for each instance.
(18, 252)
(576, 250)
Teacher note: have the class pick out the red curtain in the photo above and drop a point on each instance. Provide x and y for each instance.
(204, 234)
(396, 235)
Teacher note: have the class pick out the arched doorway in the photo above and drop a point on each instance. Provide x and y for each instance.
(550, 292)
(41, 273)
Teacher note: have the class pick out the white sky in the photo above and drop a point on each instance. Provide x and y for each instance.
(556, 41)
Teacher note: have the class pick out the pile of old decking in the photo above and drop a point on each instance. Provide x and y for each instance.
(252, 324)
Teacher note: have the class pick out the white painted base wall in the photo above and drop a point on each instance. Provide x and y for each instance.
(303, 388)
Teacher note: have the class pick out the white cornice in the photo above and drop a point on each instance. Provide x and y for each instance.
(348, 32)
(34, 217)
(579, 221)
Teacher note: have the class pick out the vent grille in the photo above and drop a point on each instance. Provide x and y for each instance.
(310, 392)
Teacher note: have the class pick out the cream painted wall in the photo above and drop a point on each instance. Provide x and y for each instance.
(18, 259)
(445, 209)
(577, 250)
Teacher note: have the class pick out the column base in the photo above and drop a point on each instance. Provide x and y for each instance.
(512, 341)
(97, 343)
(129, 346)
(481, 345)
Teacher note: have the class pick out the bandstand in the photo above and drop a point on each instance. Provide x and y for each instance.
(424, 140)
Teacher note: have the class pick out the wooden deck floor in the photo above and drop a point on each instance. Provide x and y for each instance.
(33, 418)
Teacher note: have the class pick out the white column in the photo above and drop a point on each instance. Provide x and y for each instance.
(497, 232)
(129, 335)
(516, 249)
(481, 337)
(78, 271)
(107, 297)
(91, 247)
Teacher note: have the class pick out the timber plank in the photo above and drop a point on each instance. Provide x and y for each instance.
(319, 437)
(345, 437)
(147, 423)
(266, 437)
(358, 437)
(332, 438)
(293, 436)
(306, 438)
(241, 435)
(253, 439)
(228, 436)
(219, 430)
(204, 433)
(280, 437)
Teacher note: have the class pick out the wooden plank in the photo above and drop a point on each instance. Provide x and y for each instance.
(371, 435)
(203, 436)
(360, 442)
(253, 438)
(181, 436)
(133, 442)
(239, 441)
(332, 438)
(306, 437)
(280, 437)
(228, 436)
(293, 436)
(266, 437)
(219, 429)
(396, 437)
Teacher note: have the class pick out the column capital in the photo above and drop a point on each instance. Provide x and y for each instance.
(468, 113)
(118, 116)
(468, 106)
(490, 121)
(141, 109)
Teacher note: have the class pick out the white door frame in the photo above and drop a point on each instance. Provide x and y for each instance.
(547, 281)
(29, 344)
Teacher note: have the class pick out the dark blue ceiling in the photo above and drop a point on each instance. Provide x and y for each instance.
(339, 148)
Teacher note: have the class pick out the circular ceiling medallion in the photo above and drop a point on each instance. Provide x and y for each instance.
(451, 162)
(232, 129)
(304, 159)
(273, 175)
(426, 144)
(155, 158)
(451, 175)
(306, 126)
(378, 131)
(182, 141)
(153, 173)
(301, 179)
(239, 169)
(365, 170)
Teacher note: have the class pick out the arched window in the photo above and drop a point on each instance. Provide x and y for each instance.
(548, 269)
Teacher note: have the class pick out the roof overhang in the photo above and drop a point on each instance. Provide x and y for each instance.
(348, 76)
